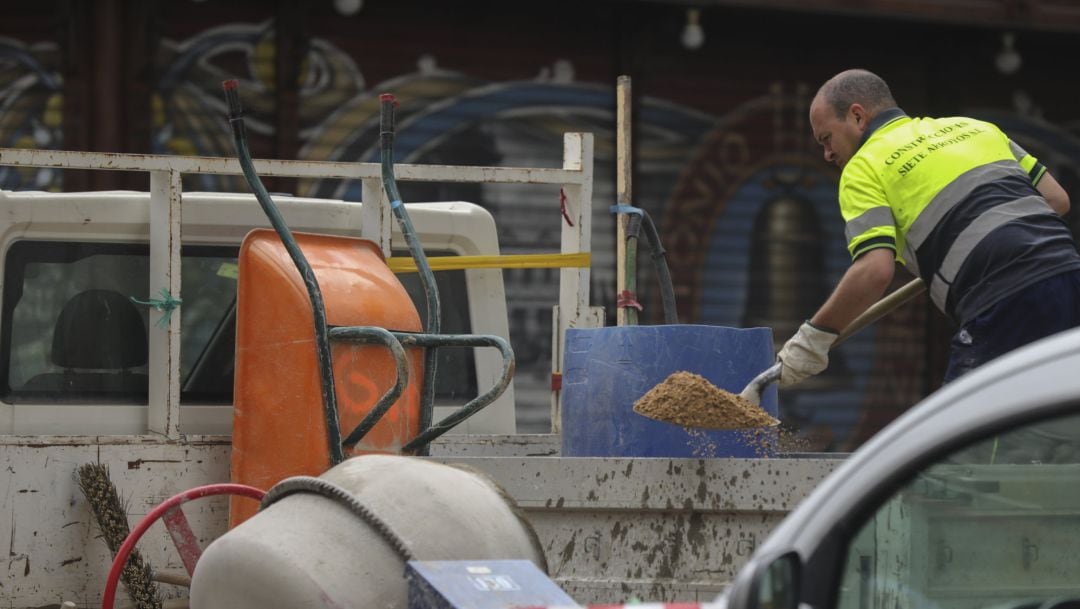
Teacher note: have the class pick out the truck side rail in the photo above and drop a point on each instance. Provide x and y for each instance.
(575, 178)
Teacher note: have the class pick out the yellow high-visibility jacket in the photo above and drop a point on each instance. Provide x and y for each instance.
(956, 200)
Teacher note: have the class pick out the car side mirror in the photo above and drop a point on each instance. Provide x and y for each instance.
(774, 584)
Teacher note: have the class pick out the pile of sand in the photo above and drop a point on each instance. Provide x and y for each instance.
(688, 399)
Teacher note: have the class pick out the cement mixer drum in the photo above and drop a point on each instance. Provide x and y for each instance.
(342, 539)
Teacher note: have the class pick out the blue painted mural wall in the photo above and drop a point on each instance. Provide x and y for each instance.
(720, 139)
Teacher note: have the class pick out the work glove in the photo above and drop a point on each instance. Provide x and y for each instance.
(805, 354)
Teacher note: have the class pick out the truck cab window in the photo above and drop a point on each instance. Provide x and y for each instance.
(455, 377)
(70, 332)
(994, 524)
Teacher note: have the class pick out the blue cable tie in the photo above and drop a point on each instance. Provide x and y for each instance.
(396, 203)
(627, 209)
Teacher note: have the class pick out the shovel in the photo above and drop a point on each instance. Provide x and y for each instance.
(879, 309)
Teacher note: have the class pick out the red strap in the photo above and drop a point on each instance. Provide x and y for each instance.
(183, 538)
(628, 299)
(556, 381)
(562, 207)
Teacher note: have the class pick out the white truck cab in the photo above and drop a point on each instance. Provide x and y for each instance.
(58, 245)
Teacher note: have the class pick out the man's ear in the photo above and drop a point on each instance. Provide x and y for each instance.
(862, 117)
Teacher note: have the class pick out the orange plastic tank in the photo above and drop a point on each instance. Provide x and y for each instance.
(278, 424)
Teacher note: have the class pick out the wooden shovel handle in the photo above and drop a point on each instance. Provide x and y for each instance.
(882, 308)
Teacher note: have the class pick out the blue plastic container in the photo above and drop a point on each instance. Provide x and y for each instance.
(606, 370)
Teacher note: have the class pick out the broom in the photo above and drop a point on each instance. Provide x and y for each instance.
(111, 516)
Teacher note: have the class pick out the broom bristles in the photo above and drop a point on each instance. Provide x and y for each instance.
(111, 517)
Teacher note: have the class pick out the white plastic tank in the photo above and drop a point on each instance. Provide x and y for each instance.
(341, 540)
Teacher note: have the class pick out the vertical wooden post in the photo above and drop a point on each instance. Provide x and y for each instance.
(622, 189)
(164, 409)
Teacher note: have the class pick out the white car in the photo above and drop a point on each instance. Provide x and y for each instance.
(969, 500)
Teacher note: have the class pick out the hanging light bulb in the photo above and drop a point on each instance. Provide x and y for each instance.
(692, 35)
(1008, 59)
(348, 7)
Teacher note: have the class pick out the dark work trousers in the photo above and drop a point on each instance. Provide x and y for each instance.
(1039, 310)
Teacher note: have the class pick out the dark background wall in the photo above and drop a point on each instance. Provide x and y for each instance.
(723, 157)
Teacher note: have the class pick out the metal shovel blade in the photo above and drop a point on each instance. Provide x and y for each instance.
(754, 389)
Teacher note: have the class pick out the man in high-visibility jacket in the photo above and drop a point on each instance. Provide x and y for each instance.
(957, 203)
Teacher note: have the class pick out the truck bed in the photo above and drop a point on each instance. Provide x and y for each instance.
(612, 528)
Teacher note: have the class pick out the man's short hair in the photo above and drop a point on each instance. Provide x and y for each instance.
(856, 87)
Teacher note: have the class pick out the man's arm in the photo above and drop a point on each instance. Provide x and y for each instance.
(861, 286)
(1053, 193)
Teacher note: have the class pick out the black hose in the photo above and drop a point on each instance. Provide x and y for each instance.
(633, 226)
(663, 273)
(427, 278)
(322, 341)
(659, 260)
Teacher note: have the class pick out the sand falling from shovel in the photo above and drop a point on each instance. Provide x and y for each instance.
(690, 400)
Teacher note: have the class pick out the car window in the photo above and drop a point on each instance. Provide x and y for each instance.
(56, 348)
(996, 524)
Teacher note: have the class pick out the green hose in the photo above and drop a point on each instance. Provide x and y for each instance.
(630, 280)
